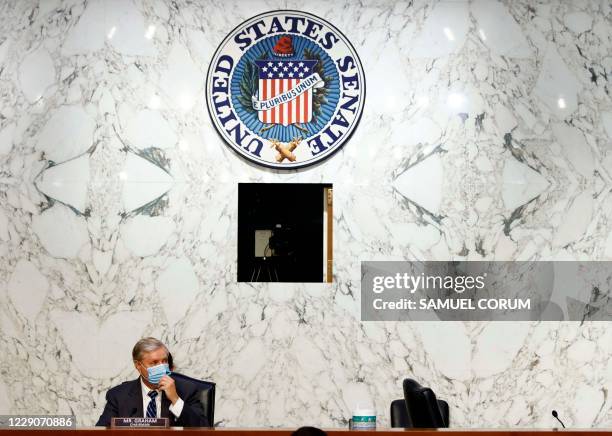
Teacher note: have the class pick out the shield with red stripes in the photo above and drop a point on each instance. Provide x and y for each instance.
(282, 85)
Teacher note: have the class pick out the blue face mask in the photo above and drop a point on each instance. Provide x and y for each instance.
(155, 373)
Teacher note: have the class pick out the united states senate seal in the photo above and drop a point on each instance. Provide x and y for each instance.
(285, 89)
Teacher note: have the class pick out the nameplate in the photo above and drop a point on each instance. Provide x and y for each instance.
(139, 422)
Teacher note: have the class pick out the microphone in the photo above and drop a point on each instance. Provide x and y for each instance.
(133, 412)
(556, 415)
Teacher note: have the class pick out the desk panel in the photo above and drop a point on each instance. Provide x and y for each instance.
(287, 432)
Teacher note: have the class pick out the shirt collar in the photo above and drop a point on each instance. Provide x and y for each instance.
(145, 389)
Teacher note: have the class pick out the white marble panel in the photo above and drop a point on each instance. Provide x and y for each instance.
(557, 85)
(422, 183)
(494, 355)
(521, 184)
(149, 128)
(145, 236)
(606, 118)
(144, 182)
(4, 46)
(499, 30)
(182, 79)
(444, 30)
(578, 21)
(608, 249)
(36, 74)
(89, 340)
(575, 220)
(5, 406)
(89, 32)
(449, 338)
(575, 148)
(116, 22)
(177, 283)
(27, 289)
(131, 35)
(67, 182)
(4, 234)
(6, 138)
(67, 133)
(485, 135)
(61, 232)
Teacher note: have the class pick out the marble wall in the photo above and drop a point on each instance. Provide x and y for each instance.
(487, 134)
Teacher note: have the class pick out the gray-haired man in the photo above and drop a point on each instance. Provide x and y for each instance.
(154, 393)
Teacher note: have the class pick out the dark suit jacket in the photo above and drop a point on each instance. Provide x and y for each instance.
(125, 400)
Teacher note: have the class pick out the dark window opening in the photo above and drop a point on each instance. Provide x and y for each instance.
(284, 232)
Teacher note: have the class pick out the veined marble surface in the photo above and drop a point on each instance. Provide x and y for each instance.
(487, 134)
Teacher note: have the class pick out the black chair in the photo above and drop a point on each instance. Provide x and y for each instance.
(206, 394)
(421, 408)
(400, 418)
(399, 414)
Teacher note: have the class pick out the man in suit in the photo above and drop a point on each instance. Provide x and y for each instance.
(151, 395)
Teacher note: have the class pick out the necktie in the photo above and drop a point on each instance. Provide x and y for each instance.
(152, 407)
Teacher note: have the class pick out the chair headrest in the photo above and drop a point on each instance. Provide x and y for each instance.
(411, 385)
(202, 384)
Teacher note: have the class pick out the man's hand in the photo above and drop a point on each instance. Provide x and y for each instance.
(167, 385)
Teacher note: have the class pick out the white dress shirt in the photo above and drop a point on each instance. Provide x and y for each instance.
(175, 408)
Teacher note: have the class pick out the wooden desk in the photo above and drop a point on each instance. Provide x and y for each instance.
(287, 432)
